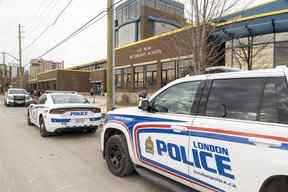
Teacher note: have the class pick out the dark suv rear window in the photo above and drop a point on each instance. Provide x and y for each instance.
(235, 98)
(274, 107)
(255, 99)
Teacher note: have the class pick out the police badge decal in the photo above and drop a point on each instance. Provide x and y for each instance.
(149, 146)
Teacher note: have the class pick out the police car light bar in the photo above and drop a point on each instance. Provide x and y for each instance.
(220, 69)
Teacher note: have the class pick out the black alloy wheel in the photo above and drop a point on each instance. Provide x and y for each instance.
(117, 156)
(43, 131)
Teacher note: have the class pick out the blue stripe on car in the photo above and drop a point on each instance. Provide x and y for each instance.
(95, 119)
(60, 120)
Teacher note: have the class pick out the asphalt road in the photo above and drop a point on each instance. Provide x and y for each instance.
(66, 163)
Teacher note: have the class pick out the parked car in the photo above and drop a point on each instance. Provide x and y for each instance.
(60, 112)
(15, 96)
(216, 132)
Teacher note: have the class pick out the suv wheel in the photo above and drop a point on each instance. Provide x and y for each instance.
(43, 131)
(279, 184)
(28, 119)
(117, 156)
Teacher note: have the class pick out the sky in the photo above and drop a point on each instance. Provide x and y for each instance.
(36, 15)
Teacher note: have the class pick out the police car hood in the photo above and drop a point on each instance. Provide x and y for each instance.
(125, 111)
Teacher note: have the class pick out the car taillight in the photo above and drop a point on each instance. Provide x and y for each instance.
(96, 110)
(57, 111)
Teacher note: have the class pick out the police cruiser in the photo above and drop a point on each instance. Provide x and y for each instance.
(225, 132)
(15, 96)
(59, 112)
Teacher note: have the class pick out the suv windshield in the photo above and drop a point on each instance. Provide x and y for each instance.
(17, 91)
(66, 99)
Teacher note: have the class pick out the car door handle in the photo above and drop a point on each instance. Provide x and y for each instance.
(178, 129)
(265, 142)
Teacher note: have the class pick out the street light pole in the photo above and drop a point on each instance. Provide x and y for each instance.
(110, 73)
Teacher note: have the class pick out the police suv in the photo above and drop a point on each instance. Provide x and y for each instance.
(215, 132)
(60, 112)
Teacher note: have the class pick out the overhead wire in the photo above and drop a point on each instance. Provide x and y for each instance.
(79, 30)
(49, 26)
(47, 7)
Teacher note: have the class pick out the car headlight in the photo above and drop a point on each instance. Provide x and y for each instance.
(10, 98)
(28, 97)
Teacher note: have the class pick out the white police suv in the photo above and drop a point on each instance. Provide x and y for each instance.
(59, 112)
(218, 132)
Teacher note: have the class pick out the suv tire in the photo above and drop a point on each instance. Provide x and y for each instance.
(279, 184)
(117, 156)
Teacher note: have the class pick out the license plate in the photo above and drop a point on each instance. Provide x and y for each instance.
(19, 102)
(80, 120)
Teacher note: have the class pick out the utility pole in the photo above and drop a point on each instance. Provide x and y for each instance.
(4, 81)
(20, 77)
(1, 80)
(110, 50)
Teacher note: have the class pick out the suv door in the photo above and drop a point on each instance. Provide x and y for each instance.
(162, 139)
(237, 141)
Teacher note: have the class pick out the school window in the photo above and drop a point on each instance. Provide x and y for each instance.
(139, 77)
(118, 78)
(127, 80)
(168, 72)
(184, 67)
(151, 75)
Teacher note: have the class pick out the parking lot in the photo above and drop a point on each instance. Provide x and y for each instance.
(68, 163)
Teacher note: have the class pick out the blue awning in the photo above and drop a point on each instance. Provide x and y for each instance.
(258, 26)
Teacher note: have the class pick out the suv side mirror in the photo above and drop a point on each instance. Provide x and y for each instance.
(144, 102)
(143, 94)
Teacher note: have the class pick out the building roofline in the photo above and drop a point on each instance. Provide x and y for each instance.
(87, 64)
(156, 37)
(261, 15)
(235, 13)
(65, 70)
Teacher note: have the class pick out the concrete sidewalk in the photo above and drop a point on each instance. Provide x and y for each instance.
(100, 101)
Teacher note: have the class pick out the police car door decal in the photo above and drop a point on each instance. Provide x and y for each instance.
(159, 146)
(212, 161)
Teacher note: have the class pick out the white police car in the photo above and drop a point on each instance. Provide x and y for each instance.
(59, 112)
(15, 96)
(216, 132)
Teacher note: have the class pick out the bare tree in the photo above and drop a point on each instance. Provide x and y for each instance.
(207, 49)
(246, 51)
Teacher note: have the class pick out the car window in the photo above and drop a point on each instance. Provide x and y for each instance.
(65, 99)
(42, 99)
(235, 98)
(17, 91)
(274, 108)
(176, 99)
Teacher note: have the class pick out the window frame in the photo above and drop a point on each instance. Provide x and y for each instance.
(43, 97)
(206, 91)
(195, 103)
